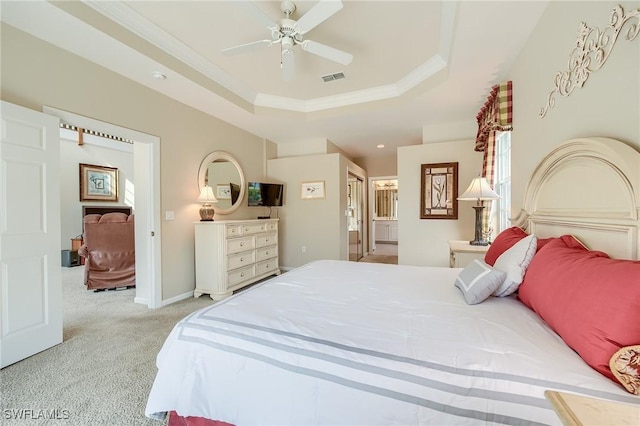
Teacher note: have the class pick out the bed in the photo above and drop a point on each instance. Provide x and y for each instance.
(337, 342)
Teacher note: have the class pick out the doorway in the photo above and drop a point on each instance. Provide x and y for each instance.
(384, 215)
(355, 215)
(146, 160)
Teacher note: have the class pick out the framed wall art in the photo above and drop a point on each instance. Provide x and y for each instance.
(98, 183)
(312, 190)
(439, 191)
(223, 192)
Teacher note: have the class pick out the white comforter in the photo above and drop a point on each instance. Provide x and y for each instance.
(343, 343)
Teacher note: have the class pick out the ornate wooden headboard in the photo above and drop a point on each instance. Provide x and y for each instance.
(590, 188)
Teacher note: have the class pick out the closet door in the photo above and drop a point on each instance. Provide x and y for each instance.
(30, 274)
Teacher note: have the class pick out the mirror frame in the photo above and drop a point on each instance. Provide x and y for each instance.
(204, 167)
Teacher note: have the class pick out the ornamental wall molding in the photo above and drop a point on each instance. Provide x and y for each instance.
(592, 49)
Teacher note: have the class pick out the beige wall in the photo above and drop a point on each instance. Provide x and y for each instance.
(425, 241)
(35, 73)
(384, 165)
(608, 104)
(319, 225)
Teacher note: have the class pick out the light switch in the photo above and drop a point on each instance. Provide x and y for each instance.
(169, 215)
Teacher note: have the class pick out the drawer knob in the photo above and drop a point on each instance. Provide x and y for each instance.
(242, 259)
(241, 274)
(241, 243)
(266, 252)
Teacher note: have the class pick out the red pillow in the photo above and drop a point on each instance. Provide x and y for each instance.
(589, 299)
(543, 242)
(503, 242)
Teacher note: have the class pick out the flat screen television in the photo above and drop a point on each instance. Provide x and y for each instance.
(265, 194)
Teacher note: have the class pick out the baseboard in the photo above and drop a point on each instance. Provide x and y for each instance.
(141, 300)
(178, 298)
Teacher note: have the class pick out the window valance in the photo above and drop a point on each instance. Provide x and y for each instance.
(495, 115)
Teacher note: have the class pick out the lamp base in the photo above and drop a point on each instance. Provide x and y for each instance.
(479, 240)
(206, 213)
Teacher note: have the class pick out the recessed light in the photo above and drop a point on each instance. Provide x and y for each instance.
(158, 75)
(380, 145)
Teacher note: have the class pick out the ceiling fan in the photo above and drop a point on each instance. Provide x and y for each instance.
(289, 33)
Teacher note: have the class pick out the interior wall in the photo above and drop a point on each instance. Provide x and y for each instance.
(425, 241)
(35, 73)
(71, 155)
(607, 105)
(310, 229)
(383, 165)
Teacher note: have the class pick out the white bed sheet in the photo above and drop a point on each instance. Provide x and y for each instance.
(337, 342)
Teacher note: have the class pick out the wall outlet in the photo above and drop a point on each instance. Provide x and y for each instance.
(304, 249)
(169, 215)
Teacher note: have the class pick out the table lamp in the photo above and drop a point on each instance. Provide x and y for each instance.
(479, 190)
(207, 199)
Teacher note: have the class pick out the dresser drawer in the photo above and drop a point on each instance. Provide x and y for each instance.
(272, 226)
(253, 228)
(266, 239)
(266, 253)
(240, 275)
(239, 260)
(236, 245)
(267, 266)
(233, 230)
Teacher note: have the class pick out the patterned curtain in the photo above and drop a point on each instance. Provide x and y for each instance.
(495, 115)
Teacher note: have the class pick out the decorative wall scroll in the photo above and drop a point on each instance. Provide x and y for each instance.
(592, 50)
(439, 191)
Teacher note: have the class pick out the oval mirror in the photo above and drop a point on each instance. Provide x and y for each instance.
(221, 171)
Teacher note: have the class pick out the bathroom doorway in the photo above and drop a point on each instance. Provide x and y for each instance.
(384, 215)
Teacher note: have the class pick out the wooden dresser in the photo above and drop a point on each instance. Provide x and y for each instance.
(231, 254)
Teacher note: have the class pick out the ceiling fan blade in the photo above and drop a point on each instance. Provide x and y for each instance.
(288, 65)
(248, 47)
(259, 15)
(328, 52)
(317, 14)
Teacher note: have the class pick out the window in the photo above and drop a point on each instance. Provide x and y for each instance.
(502, 183)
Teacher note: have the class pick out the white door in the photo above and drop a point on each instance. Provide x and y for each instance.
(30, 276)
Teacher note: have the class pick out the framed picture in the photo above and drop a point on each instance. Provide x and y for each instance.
(223, 192)
(439, 191)
(98, 183)
(312, 190)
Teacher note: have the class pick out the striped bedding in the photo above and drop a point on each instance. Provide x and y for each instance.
(337, 342)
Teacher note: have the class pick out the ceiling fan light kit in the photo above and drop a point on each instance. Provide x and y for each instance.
(290, 32)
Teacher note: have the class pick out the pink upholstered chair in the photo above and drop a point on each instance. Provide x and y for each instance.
(109, 251)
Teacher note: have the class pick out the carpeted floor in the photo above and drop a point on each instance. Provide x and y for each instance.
(103, 371)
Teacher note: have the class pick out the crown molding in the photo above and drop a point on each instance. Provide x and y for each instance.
(128, 18)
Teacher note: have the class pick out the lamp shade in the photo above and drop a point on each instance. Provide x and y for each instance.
(206, 195)
(479, 190)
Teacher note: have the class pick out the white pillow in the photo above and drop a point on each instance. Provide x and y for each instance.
(478, 280)
(515, 262)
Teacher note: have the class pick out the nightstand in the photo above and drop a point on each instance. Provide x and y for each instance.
(461, 253)
(576, 410)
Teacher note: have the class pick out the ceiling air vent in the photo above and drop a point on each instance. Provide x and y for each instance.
(330, 77)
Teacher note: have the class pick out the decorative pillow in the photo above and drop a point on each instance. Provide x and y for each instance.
(504, 241)
(589, 299)
(543, 242)
(625, 366)
(478, 280)
(515, 262)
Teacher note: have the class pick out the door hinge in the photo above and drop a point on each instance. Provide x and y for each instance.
(153, 234)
